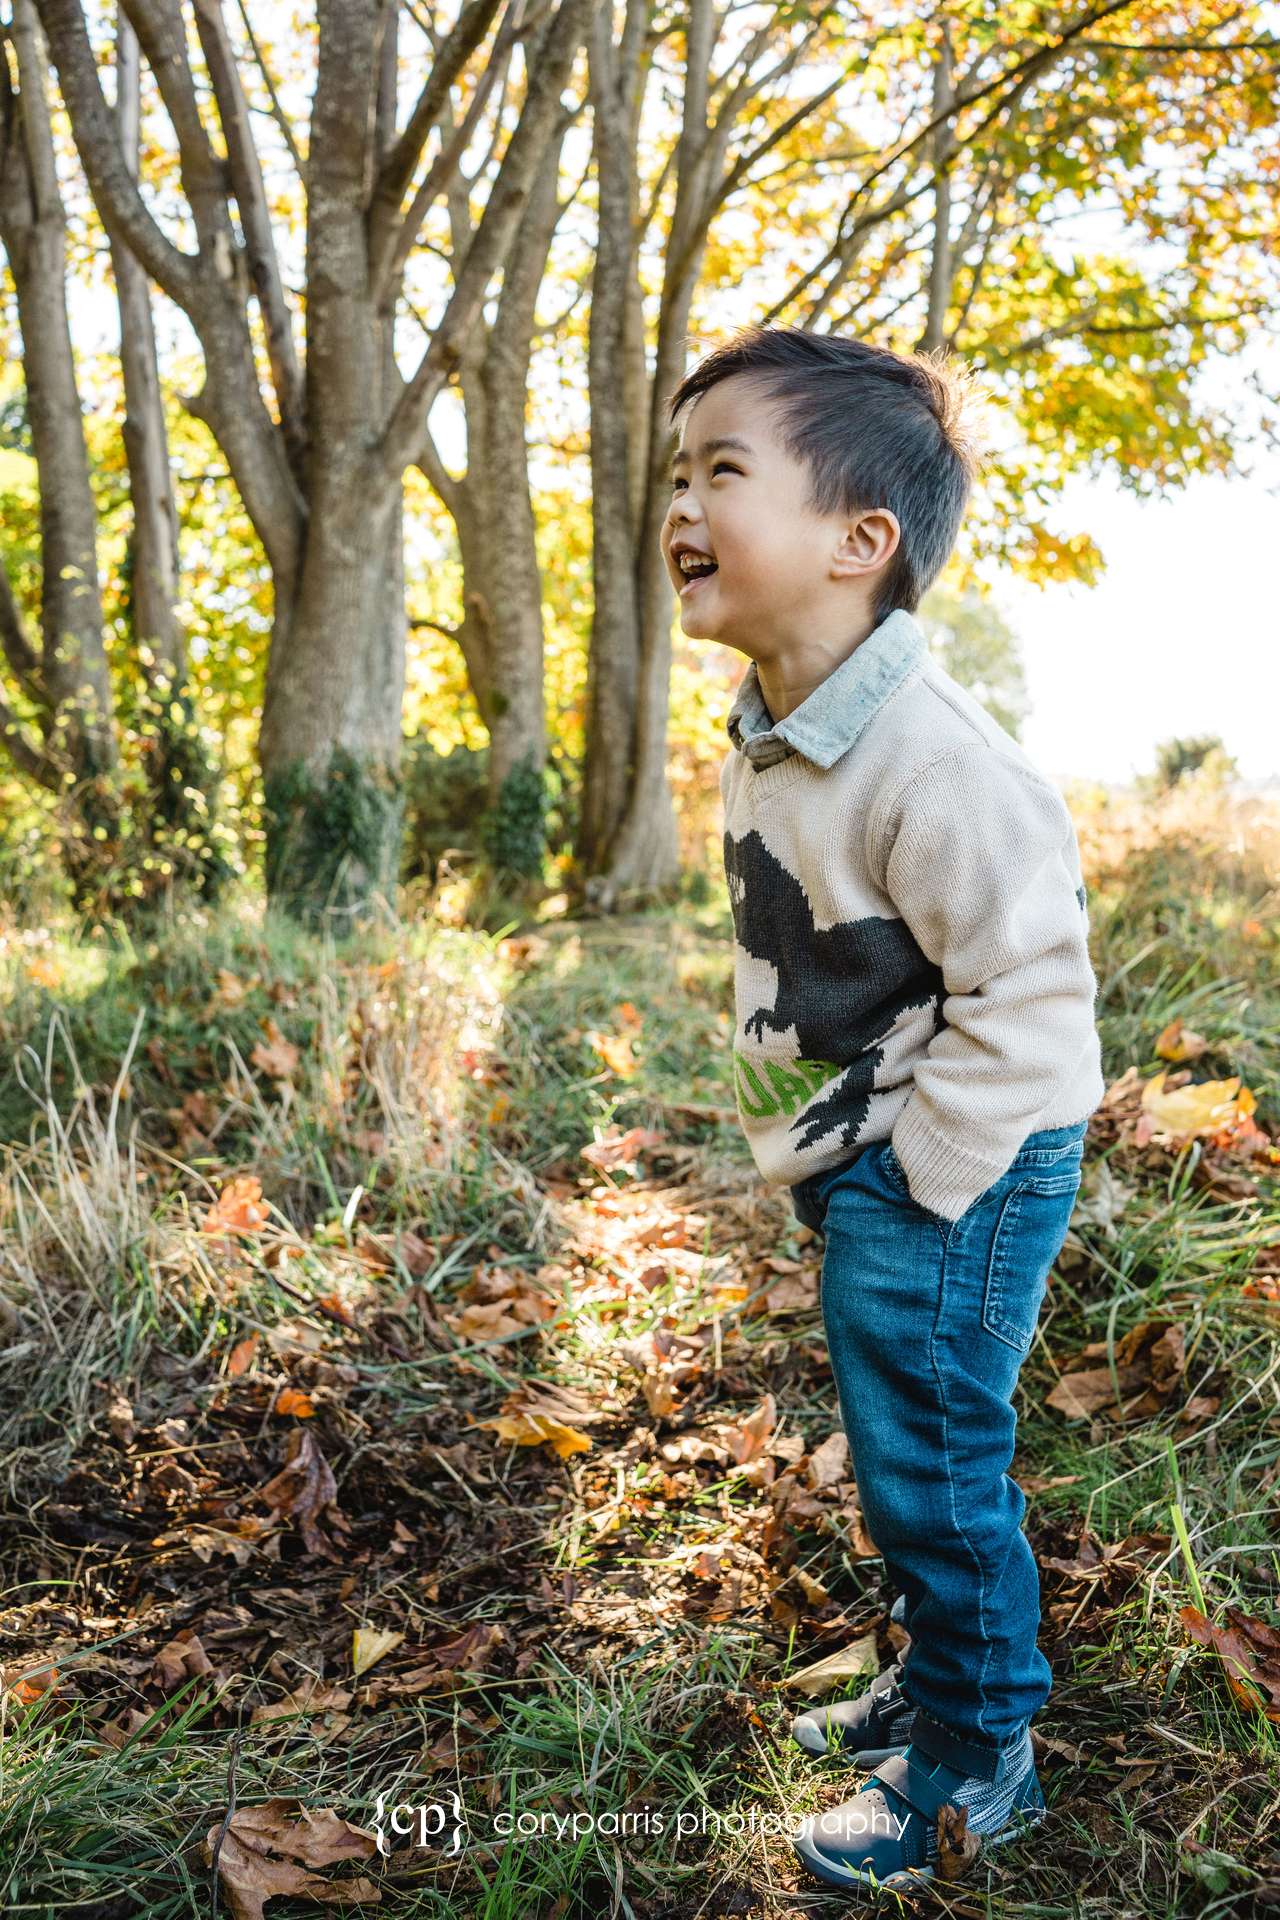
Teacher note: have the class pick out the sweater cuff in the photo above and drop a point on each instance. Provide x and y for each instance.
(941, 1176)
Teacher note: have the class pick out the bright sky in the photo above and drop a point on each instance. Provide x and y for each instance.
(1180, 636)
(1181, 633)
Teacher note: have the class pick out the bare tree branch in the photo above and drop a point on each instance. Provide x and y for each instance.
(1011, 79)
(975, 281)
(436, 626)
(846, 252)
(162, 35)
(115, 191)
(1179, 46)
(506, 202)
(395, 241)
(469, 30)
(278, 113)
(941, 274)
(435, 471)
(1083, 324)
(743, 165)
(26, 754)
(159, 641)
(255, 220)
(24, 661)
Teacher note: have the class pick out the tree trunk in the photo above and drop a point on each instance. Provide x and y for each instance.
(629, 845)
(613, 662)
(330, 740)
(323, 483)
(181, 775)
(154, 547)
(502, 637)
(512, 581)
(66, 676)
(941, 269)
(74, 662)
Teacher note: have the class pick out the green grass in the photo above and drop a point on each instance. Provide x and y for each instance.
(444, 1088)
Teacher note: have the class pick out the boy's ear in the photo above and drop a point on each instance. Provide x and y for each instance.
(867, 542)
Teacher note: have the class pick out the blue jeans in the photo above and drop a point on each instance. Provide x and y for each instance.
(928, 1321)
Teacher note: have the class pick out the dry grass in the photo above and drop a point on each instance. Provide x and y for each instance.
(609, 1628)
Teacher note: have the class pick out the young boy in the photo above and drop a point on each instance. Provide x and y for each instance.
(915, 1055)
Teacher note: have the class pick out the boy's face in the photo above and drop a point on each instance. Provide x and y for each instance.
(787, 580)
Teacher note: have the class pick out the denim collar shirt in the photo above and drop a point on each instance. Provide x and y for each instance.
(826, 725)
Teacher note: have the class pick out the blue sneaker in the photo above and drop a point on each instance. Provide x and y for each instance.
(869, 1729)
(887, 1835)
(873, 1727)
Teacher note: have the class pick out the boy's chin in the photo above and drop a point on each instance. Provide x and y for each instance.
(699, 622)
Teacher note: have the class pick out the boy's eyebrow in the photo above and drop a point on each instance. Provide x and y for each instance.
(681, 457)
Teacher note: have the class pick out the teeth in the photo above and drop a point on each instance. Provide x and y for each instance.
(688, 561)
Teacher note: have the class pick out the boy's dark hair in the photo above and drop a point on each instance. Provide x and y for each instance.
(875, 429)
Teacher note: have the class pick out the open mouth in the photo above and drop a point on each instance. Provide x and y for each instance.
(695, 574)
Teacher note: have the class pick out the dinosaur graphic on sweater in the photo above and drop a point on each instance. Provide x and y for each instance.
(840, 991)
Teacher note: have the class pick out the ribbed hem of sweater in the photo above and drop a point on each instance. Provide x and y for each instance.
(942, 1176)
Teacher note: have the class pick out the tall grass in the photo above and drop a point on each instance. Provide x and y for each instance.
(421, 1157)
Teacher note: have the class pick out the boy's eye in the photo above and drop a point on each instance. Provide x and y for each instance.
(721, 466)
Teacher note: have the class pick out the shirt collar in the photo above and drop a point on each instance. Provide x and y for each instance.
(827, 723)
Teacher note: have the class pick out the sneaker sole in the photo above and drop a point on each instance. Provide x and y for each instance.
(834, 1876)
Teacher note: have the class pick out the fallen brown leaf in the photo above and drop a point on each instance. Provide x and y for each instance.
(28, 1684)
(829, 1463)
(274, 1849)
(1177, 1042)
(1249, 1650)
(239, 1208)
(1149, 1363)
(618, 1149)
(467, 1653)
(305, 1490)
(182, 1658)
(120, 1418)
(957, 1847)
(275, 1056)
(289, 1401)
(536, 1413)
(1111, 1568)
(747, 1439)
(371, 1644)
(240, 1359)
(846, 1663)
(311, 1696)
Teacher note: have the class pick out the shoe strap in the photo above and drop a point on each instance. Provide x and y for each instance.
(918, 1784)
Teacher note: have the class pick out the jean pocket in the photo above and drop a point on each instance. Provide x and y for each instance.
(1028, 1238)
(896, 1179)
(802, 1205)
(895, 1176)
(809, 1196)
(894, 1171)
(1056, 1149)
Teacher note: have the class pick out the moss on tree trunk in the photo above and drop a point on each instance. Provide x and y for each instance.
(333, 837)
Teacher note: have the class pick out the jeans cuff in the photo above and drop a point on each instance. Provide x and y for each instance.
(976, 1758)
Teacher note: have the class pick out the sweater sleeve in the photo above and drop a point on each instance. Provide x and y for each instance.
(981, 863)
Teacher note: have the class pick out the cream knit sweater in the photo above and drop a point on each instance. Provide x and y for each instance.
(910, 929)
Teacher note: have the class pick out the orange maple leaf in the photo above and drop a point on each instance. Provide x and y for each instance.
(239, 1208)
(291, 1400)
